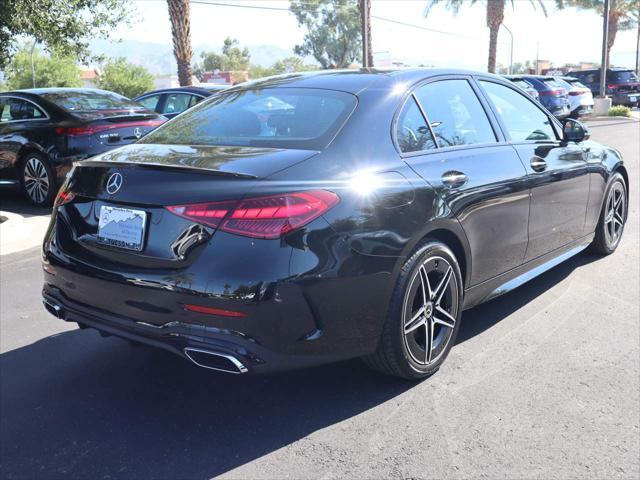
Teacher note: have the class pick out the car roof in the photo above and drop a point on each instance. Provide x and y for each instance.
(354, 80)
(200, 91)
(40, 91)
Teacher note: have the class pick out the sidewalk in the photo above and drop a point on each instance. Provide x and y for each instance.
(19, 233)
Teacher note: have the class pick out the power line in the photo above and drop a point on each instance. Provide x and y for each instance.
(281, 9)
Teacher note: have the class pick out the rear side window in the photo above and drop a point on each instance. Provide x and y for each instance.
(522, 118)
(412, 132)
(16, 109)
(178, 102)
(150, 102)
(302, 118)
(455, 113)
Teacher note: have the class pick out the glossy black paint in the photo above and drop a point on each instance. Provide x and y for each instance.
(319, 293)
(18, 137)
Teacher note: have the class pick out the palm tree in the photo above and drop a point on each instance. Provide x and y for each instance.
(181, 33)
(623, 14)
(495, 17)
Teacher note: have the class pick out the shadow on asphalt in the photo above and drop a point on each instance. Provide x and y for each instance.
(12, 200)
(76, 405)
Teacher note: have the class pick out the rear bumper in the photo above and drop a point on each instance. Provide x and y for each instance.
(210, 347)
(626, 99)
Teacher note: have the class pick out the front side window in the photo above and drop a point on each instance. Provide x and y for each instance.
(412, 132)
(303, 118)
(16, 109)
(522, 118)
(455, 113)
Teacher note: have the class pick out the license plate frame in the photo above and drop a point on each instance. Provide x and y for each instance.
(123, 228)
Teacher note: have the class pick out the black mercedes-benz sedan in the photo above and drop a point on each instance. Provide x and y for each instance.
(310, 218)
(44, 130)
(171, 102)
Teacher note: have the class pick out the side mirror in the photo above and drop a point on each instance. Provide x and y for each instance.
(574, 131)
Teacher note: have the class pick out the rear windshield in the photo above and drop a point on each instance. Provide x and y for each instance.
(563, 83)
(626, 76)
(522, 84)
(91, 101)
(577, 83)
(271, 117)
(550, 82)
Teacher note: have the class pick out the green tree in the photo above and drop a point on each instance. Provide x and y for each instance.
(125, 78)
(61, 26)
(623, 14)
(258, 71)
(292, 64)
(50, 70)
(232, 58)
(495, 17)
(333, 31)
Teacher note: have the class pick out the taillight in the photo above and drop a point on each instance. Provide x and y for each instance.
(556, 93)
(261, 217)
(575, 93)
(64, 196)
(93, 129)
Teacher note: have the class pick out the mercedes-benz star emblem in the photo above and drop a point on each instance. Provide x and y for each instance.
(137, 132)
(114, 183)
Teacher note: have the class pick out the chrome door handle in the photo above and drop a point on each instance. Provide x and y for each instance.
(454, 179)
(538, 164)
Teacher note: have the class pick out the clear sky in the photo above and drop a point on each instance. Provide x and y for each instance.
(563, 36)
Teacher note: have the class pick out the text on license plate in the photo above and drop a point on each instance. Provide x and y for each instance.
(122, 227)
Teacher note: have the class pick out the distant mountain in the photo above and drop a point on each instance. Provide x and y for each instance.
(158, 58)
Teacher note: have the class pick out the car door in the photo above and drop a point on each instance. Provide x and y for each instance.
(462, 154)
(21, 121)
(557, 170)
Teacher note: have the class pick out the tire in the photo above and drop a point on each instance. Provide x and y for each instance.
(411, 320)
(37, 179)
(613, 217)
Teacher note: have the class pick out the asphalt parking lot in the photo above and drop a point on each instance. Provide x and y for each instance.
(544, 382)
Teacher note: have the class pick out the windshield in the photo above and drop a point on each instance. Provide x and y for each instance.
(626, 76)
(91, 101)
(272, 117)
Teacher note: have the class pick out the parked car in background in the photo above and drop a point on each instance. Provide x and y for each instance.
(552, 95)
(172, 101)
(522, 83)
(580, 97)
(44, 130)
(313, 218)
(623, 85)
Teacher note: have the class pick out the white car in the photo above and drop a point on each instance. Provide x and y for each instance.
(580, 96)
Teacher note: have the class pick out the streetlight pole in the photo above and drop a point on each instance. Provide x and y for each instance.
(605, 39)
(510, 71)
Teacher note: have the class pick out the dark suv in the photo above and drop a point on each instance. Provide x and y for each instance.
(623, 85)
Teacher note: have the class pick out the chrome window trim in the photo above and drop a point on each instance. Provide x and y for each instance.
(42, 110)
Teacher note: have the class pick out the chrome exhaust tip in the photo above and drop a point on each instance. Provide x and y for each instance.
(53, 308)
(221, 362)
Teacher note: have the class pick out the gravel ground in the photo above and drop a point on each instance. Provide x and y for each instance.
(543, 383)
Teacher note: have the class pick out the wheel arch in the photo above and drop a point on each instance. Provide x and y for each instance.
(28, 148)
(450, 233)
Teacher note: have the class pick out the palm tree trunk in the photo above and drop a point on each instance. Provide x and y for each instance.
(495, 16)
(613, 30)
(181, 33)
